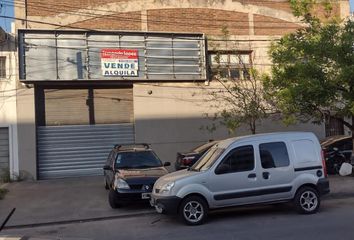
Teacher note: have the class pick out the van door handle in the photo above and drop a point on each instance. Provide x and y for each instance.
(266, 175)
(252, 175)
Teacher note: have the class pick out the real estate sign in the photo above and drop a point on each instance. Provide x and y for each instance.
(119, 62)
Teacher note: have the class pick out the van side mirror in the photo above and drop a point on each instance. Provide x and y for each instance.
(166, 164)
(221, 169)
(107, 167)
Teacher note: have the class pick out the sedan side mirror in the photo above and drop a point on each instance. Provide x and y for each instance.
(107, 167)
(166, 164)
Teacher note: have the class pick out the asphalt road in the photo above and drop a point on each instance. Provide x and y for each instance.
(334, 221)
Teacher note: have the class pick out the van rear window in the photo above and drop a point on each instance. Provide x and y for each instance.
(305, 151)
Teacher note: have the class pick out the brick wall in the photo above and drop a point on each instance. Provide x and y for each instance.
(208, 21)
(121, 21)
(280, 5)
(320, 12)
(271, 26)
(53, 7)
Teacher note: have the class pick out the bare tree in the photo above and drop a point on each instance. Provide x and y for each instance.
(240, 99)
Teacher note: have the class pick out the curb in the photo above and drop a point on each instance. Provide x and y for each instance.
(338, 196)
(8, 237)
(5, 237)
(83, 220)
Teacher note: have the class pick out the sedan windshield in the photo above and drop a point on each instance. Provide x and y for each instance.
(208, 159)
(141, 159)
(204, 147)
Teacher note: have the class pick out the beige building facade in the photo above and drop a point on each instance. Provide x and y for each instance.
(9, 158)
(55, 137)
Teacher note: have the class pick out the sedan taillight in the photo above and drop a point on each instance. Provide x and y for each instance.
(187, 160)
(324, 163)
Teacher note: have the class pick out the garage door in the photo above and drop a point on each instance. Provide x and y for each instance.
(79, 127)
(4, 149)
(71, 151)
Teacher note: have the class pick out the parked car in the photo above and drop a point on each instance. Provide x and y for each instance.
(185, 160)
(337, 150)
(264, 168)
(130, 173)
(343, 143)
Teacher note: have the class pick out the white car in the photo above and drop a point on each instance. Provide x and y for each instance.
(264, 168)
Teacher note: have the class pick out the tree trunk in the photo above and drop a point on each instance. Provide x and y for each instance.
(253, 127)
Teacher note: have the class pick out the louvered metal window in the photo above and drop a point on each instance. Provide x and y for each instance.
(73, 55)
(4, 150)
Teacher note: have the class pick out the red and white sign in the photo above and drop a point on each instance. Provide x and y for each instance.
(119, 62)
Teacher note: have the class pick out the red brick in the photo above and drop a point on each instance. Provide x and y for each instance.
(121, 21)
(272, 26)
(203, 20)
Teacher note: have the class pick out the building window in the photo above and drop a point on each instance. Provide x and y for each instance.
(2, 67)
(229, 65)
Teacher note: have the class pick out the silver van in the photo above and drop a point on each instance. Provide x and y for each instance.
(263, 168)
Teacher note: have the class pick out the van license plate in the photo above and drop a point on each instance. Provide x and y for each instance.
(146, 195)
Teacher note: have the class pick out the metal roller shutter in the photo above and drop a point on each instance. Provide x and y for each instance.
(71, 151)
(81, 127)
(66, 107)
(4, 149)
(118, 99)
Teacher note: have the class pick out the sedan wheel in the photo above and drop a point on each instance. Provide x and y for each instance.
(106, 186)
(113, 199)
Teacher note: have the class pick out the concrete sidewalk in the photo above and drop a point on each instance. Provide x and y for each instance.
(341, 187)
(85, 199)
(62, 200)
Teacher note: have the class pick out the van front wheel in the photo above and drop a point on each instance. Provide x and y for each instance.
(193, 210)
(307, 200)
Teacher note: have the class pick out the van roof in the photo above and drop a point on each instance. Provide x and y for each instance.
(264, 136)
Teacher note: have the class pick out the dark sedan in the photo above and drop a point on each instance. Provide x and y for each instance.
(130, 173)
(187, 159)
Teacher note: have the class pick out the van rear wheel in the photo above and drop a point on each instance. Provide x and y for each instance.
(307, 200)
(193, 210)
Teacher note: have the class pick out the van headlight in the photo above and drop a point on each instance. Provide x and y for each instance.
(167, 187)
(120, 184)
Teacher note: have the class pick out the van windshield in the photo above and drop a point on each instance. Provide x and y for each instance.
(208, 159)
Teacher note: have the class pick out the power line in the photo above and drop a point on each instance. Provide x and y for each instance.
(120, 18)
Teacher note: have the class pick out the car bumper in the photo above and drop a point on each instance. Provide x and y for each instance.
(323, 186)
(131, 195)
(164, 204)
